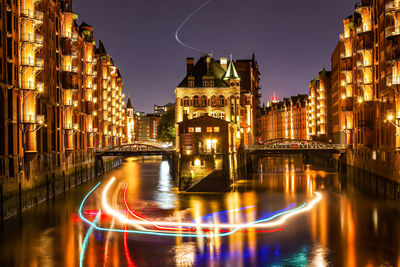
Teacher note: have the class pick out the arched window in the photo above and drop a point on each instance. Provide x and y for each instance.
(214, 114)
(186, 101)
(204, 101)
(214, 101)
(221, 116)
(195, 115)
(196, 101)
(221, 101)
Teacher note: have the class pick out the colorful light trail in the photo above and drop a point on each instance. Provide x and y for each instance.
(174, 229)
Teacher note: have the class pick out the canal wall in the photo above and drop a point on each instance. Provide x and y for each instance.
(361, 175)
(46, 176)
(371, 184)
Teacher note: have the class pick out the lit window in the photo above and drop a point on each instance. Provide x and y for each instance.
(216, 129)
(198, 129)
(209, 129)
(191, 130)
(221, 116)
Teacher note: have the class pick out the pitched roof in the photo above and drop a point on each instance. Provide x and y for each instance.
(200, 70)
(231, 73)
(129, 104)
(101, 49)
(85, 25)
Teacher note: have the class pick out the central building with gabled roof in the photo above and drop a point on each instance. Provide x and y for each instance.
(210, 87)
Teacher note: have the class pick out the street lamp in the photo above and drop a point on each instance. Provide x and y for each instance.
(75, 129)
(394, 120)
(94, 132)
(39, 122)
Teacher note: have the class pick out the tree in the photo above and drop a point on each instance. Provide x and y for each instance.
(166, 126)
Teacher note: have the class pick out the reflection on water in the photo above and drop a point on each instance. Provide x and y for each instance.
(344, 229)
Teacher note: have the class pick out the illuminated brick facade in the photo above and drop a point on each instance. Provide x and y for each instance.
(285, 119)
(61, 95)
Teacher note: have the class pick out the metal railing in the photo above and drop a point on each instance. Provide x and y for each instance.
(392, 31)
(390, 81)
(392, 7)
(31, 14)
(32, 62)
(32, 38)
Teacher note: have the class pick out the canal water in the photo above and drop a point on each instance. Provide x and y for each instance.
(345, 228)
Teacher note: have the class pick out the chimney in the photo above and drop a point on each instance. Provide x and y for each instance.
(224, 63)
(189, 64)
(208, 61)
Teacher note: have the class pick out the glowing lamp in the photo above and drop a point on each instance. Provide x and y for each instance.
(94, 113)
(390, 115)
(40, 119)
(95, 130)
(75, 103)
(95, 100)
(75, 126)
(197, 163)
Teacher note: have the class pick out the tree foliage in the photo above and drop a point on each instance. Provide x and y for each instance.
(166, 126)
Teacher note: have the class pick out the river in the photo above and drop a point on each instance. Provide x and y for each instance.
(346, 227)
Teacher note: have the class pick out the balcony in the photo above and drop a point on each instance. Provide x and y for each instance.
(33, 15)
(345, 55)
(364, 28)
(35, 39)
(392, 7)
(345, 82)
(71, 36)
(344, 36)
(32, 86)
(361, 64)
(71, 69)
(93, 74)
(392, 81)
(360, 6)
(32, 62)
(392, 32)
(347, 104)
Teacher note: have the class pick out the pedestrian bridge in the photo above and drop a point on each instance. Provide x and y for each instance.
(136, 149)
(290, 146)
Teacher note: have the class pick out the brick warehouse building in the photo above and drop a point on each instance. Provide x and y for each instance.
(61, 98)
(285, 119)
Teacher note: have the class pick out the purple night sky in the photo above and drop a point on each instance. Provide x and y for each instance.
(292, 40)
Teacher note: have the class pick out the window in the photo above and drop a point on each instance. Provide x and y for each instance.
(216, 129)
(198, 129)
(186, 101)
(221, 101)
(221, 116)
(196, 101)
(214, 114)
(195, 115)
(204, 101)
(214, 101)
(191, 130)
(209, 129)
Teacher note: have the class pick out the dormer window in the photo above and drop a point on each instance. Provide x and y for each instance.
(191, 81)
(208, 83)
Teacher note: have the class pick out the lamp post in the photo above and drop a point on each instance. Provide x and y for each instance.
(393, 119)
(75, 129)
